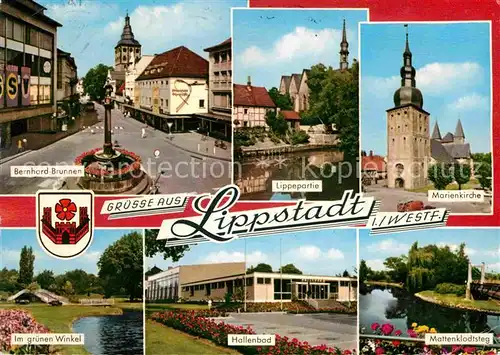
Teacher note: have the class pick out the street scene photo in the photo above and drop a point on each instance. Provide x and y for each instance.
(302, 288)
(295, 102)
(428, 282)
(97, 295)
(426, 126)
(131, 97)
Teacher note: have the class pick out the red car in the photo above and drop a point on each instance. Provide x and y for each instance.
(413, 205)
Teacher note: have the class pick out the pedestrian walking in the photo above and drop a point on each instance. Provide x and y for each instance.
(19, 146)
(143, 132)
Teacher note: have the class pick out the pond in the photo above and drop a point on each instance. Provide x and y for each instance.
(401, 309)
(112, 335)
(254, 176)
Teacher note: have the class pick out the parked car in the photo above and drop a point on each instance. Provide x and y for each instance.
(55, 303)
(22, 301)
(412, 205)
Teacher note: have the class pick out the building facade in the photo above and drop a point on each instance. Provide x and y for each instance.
(28, 69)
(135, 68)
(220, 83)
(251, 104)
(67, 78)
(408, 137)
(272, 287)
(296, 86)
(167, 284)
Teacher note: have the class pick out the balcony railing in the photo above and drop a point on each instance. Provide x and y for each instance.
(221, 66)
(220, 85)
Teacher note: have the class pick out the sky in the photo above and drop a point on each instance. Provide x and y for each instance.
(453, 72)
(12, 241)
(482, 245)
(270, 43)
(324, 252)
(92, 28)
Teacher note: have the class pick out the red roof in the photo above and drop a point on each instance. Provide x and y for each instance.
(226, 43)
(178, 62)
(373, 163)
(253, 96)
(290, 115)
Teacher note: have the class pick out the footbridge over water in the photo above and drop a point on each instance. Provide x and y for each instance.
(482, 288)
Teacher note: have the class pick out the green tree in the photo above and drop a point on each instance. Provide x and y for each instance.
(364, 271)
(277, 123)
(441, 175)
(290, 269)
(79, 279)
(45, 279)
(260, 268)
(346, 274)
(484, 171)
(462, 174)
(154, 246)
(32, 287)
(334, 98)
(26, 266)
(284, 102)
(67, 289)
(121, 266)
(95, 80)
(397, 268)
(9, 280)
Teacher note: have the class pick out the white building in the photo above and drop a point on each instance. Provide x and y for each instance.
(174, 83)
(135, 68)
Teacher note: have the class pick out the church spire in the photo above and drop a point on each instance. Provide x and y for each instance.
(459, 136)
(344, 52)
(408, 92)
(436, 133)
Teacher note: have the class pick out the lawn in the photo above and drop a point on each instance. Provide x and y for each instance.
(160, 337)
(472, 184)
(60, 319)
(451, 300)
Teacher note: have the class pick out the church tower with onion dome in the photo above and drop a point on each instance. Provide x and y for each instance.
(408, 136)
(126, 48)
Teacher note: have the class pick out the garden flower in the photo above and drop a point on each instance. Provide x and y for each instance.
(387, 329)
(469, 350)
(414, 325)
(375, 326)
(397, 332)
(396, 342)
(433, 330)
(379, 350)
(347, 352)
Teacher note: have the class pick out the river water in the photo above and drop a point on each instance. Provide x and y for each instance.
(254, 176)
(401, 309)
(112, 335)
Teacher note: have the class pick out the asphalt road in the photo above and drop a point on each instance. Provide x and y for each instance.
(184, 172)
(338, 330)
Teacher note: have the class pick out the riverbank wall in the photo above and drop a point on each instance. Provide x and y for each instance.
(456, 306)
(284, 149)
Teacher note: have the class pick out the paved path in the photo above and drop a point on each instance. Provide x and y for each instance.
(391, 197)
(185, 172)
(195, 143)
(317, 329)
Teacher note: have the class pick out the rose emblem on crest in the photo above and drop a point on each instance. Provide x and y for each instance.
(65, 209)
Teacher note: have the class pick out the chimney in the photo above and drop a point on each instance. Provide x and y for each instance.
(249, 81)
(371, 153)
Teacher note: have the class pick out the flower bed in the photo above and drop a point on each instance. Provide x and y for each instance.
(378, 346)
(18, 321)
(193, 323)
(129, 163)
(290, 307)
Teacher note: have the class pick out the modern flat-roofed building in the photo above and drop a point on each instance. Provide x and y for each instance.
(28, 69)
(272, 287)
(167, 284)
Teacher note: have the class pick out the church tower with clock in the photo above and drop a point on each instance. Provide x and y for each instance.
(126, 48)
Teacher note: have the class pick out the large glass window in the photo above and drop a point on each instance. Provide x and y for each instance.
(15, 58)
(32, 37)
(45, 94)
(15, 30)
(32, 61)
(46, 41)
(2, 25)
